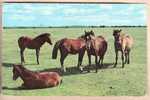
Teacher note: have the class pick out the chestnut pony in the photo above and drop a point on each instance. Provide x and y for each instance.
(96, 46)
(33, 80)
(33, 43)
(69, 46)
(123, 43)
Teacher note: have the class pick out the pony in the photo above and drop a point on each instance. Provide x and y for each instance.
(123, 43)
(96, 46)
(69, 46)
(33, 43)
(34, 80)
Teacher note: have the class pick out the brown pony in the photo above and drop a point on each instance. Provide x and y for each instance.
(35, 43)
(96, 46)
(33, 80)
(69, 46)
(122, 43)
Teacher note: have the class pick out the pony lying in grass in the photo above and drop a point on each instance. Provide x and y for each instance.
(33, 43)
(34, 80)
(123, 43)
(96, 46)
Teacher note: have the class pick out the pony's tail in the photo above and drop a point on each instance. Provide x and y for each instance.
(56, 47)
(20, 40)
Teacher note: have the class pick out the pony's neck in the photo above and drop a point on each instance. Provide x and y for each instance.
(41, 40)
(24, 74)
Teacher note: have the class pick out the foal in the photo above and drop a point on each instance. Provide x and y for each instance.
(33, 80)
(122, 43)
(33, 43)
(96, 46)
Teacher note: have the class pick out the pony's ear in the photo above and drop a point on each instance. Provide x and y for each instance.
(120, 30)
(85, 31)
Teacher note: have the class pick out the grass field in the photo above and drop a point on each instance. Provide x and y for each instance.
(130, 80)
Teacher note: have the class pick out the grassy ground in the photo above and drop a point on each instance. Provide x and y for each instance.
(130, 80)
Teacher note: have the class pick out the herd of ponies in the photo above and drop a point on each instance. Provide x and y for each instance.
(94, 45)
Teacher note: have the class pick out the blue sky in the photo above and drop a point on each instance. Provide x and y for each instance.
(55, 14)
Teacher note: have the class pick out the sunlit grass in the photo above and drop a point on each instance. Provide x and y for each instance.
(110, 81)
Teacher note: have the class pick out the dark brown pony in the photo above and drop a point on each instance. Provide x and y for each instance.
(96, 46)
(122, 43)
(69, 46)
(33, 80)
(33, 43)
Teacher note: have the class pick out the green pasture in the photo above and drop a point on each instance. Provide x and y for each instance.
(109, 81)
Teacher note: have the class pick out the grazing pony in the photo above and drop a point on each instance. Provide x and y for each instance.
(33, 80)
(96, 46)
(122, 43)
(33, 43)
(69, 46)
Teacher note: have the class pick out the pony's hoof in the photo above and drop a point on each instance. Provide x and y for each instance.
(96, 71)
(22, 63)
(88, 71)
(63, 70)
(81, 69)
(115, 66)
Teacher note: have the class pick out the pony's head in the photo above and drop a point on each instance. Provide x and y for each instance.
(88, 38)
(89, 33)
(16, 71)
(48, 39)
(116, 34)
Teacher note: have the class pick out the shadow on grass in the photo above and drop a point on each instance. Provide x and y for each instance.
(20, 88)
(10, 64)
(73, 70)
(7, 64)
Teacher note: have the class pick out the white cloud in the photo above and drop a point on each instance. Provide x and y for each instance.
(21, 17)
(106, 6)
(79, 11)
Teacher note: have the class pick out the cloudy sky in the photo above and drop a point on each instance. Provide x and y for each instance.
(55, 14)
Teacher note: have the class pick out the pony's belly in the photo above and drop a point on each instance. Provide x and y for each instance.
(73, 52)
(31, 46)
(39, 84)
(91, 52)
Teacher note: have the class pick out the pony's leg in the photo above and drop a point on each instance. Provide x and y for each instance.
(62, 58)
(101, 61)
(122, 56)
(116, 52)
(126, 57)
(89, 58)
(80, 58)
(37, 55)
(128, 62)
(96, 62)
(22, 55)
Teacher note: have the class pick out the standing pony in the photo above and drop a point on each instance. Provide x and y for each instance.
(69, 46)
(34, 80)
(122, 43)
(35, 43)
(96, 46)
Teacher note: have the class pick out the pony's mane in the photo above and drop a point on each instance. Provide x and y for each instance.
(100, 36)
(43, 35)
(24, 69)
(82, 36)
